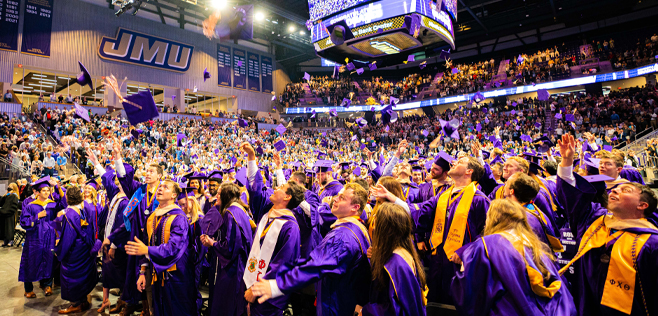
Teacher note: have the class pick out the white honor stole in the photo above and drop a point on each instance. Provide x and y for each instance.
(260, 255)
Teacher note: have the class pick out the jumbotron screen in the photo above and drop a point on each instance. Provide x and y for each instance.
(319, 9)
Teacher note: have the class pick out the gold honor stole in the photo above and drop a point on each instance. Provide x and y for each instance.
(535, 277)
(455, 237)
(543, 186)
(500, 192)
(555, 243)
(151, 224)
(620, 281)
(251, 221)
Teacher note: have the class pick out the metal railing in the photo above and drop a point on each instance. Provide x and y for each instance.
(638, 144)
(11, 171)
(52, 140)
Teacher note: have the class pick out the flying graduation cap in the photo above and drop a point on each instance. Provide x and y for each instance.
(373, 66)
(346, 102)
(140, 107)
(543, 95)
(307, 76)
(206, 74)
(444, 54)
(451, 128)
(281, 129)
(339, 32)
(84, 78)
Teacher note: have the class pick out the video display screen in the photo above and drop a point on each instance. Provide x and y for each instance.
(318, 9)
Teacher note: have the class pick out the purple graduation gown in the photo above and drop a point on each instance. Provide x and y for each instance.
(121, 236)
(541, 200)
(590, 272)
(174, 292)
(495, 282)
(441, 269)
(331, 189)
(309, 227)
(338, 266)
(287, 247)
(411, 193)
(37, 257)
(228, 258)
(538, 227)
(77, 250)
(402, 295)
(631, 174)
(197, 253)
(114, 271)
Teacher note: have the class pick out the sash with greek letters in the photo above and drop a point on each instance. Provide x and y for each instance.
(260, 255)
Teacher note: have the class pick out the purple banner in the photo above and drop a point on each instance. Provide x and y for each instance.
(37, 27)
(266, 73)
(239, 69)
(9, 17)
(253, 73)
(223, 66)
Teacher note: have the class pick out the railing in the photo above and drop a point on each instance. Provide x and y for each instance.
(52, 140)
(640, 139)
(12, 172)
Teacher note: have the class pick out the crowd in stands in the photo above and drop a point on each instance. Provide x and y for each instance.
(453, 79)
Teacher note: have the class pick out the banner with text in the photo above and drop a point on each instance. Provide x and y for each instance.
(37, 27)
(223, 66)
(253, 75)
(9, 16)
(266, 73)
(239, 69)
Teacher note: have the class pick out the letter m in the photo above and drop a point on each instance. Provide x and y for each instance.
(141, 48)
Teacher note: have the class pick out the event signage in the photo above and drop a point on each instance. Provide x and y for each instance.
(146, 50)
(239, 69)
(253, 72)
(9, 17)
(37, 27)
(266, 74)
(223, 66)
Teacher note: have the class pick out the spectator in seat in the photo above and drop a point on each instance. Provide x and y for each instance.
(8, 97)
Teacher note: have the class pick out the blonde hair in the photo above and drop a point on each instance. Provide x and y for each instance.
(194, 211)
(94, 194)
(523, 164)
(506, 215)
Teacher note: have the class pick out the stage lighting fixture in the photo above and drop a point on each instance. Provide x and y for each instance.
(291, 28)
(218, 4)
(259, 16)
(302, 33)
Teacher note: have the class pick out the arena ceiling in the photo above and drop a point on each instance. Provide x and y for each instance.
(478, 20)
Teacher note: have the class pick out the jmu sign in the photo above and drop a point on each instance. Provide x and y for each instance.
(146, 50)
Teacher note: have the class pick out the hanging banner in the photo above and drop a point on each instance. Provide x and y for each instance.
(239, 69)
(266, 73)
(9, 16)
(37, 27)
(223, 66)
(253, 74)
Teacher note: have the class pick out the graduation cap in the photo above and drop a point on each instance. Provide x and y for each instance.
(497, 159)
(206, 74)
(543, 95)
(519, 59)
(393, 100)
(486, 154)
(280, 145)
(229, 170)
(239, 63)
(451, 128)
(455, 71)
(281, 129)
(307, 76)
(359, 71)
(243, 123)
(81, 112)
(333, 113)
(344, 165)
(598, 181)
(350, 66)
(197, 176)
(558, 116)
(346, 102)
(592, 165)
(241, 176)
(260, 150)
(373, 66)
(569, 118)
(323, 165)
(477, 97)
(324, 143)
(607, 147)
(546, 145)
(444, 54)
(179, 139)
(411, 58)
(533, 160)
(41, 183)
(357, 171)
(423, 65)
(444, 161)
(84, 78)
(361, 122)
(478, 127)
(425, 132)
(140, 107)
(185, 191)
(93, 183)
(526, 138)
(339, 32)
(215, 176)
(313, 114)
(136, 132)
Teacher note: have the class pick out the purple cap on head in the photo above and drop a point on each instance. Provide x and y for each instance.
(241, 176)
(592, 165)
(598, 181)
(84, 78)
(281, 129)
(444, 161)
(145, 109)
(206, 74)
(545, 145)
(185, 192)
(41, 183)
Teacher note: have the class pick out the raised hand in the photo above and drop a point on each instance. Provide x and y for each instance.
(567, 149)
(402, 148)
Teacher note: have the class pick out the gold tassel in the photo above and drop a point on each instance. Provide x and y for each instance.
(113, 83)
(210, 23)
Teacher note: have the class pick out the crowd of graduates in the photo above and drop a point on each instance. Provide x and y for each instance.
(375, 219)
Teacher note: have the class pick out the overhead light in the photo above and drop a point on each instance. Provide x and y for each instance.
(275, 22)
(291, 28)
(259, 16)
(302, 32)
(218, 4)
